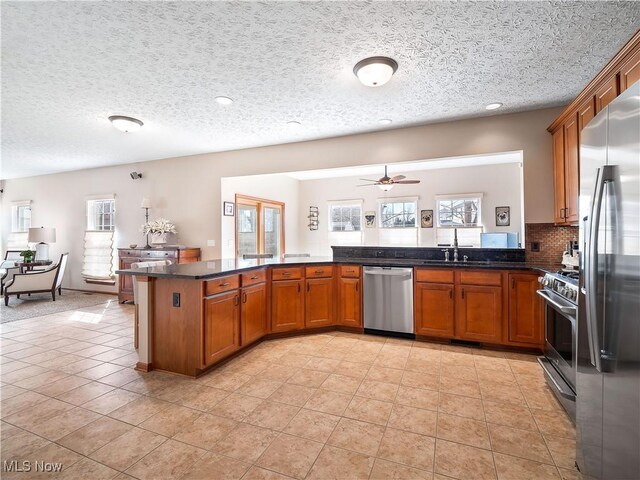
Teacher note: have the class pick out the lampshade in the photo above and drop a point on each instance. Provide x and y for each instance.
(42, 235)
(146, 203)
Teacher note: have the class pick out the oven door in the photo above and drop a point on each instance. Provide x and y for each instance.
(560, 335)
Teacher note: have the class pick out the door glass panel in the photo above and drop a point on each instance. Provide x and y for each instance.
(272, 231)
(247, 229)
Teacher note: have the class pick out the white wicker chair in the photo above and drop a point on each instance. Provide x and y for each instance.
(48, 280)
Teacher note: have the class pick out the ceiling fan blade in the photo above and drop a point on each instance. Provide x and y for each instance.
(398, 177)
(407, 182)
(368, 185)
(368, 180)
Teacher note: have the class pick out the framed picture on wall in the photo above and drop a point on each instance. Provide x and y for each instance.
(370, 219)
(503, 216)
(426, 218)
(228, 209)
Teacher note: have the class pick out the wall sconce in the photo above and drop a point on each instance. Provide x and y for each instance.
(313, 218)
(135, 175)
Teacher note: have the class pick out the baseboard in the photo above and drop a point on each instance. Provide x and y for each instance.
(144, 367)
(89, 291)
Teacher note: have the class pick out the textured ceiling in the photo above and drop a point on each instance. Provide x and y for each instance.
(67, 66)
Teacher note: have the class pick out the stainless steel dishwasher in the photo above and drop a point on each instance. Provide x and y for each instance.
(388, 299)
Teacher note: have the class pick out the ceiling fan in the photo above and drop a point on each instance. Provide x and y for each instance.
(386, 183)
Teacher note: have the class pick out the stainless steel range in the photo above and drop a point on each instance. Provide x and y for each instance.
(560, 293)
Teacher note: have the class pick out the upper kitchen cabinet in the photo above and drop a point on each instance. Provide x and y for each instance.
(621, 72)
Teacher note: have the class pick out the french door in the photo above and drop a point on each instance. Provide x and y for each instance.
(259, 226)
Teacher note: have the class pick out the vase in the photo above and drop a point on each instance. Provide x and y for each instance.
(159, 238)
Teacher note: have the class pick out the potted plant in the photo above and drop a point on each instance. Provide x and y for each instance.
(27, 255)
(159, 229)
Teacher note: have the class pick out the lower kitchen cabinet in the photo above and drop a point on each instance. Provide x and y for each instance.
(253, 314)
(319, 302)
(287, 305)
(479, 313)
(221, 326)
(434, 309)
(525, 309)
(349, 302)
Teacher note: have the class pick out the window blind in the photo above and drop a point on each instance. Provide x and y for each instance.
(467, 237)
(398, 237)
(97, 264)
(18, 241)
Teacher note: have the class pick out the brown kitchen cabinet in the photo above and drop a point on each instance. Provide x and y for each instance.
(319, 302)
(525, 309)
(127, 256)
(479, 313)
(253, 313)
(287, 305)
(630, 71)
(434, 309)
(607, 92)
(350, 297)
(221, 326)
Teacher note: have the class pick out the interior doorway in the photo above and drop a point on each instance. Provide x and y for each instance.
(259, 226)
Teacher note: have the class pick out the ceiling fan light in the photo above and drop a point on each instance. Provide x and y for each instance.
(125, 124)
(385, 186)
(375, 71)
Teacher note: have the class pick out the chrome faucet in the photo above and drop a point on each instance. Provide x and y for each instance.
(446, 254)
(465, 258)
(455, 244)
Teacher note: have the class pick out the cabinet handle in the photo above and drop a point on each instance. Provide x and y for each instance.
(450, 293)
(255, 277)
(318, 272)
(244, 298)
(298, 287)
(237, 300)
(286, 274)
(308, 287)
(463, 293)
(225, 284)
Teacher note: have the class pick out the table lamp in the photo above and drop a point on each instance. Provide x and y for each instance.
(43, 237)
(146, 204)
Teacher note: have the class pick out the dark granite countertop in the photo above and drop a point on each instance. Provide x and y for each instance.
(214, 268)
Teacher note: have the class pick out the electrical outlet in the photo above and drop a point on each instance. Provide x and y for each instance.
(176, 299)
(211, 243)
(535, 246)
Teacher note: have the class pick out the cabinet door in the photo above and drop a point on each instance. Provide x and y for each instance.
(558, 176)
(630, 72)
(571, 172)
(253, 314)
(349, 302)
(586, 112)
(479, 313)
(287, 305)
(525, 309)
(221, 326)
(434, 309)
(319, 302)
(606, 93)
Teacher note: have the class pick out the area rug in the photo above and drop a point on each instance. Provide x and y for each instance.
(39, 304)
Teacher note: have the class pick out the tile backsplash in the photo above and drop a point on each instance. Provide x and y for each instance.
(552, 241)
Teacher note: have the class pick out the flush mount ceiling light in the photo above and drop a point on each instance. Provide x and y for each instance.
(294, 124)
(385, 121)
(375, 71)
(125, 124)
(493, 106)
(224, 100)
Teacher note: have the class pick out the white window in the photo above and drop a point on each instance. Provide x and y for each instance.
(345, 216)
(101, 214)
(398, 213)
(98, 262)
(461, 212)
(21, 216)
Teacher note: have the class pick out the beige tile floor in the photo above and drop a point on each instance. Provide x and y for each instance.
(320, 407)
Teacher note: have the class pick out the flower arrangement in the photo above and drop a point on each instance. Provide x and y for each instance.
(159, 226)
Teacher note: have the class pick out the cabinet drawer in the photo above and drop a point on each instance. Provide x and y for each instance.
(434, 275)
(286, 273)
(350, 271)
(160, 254)
(222, 284)
(251, 278)
(481, 278)
(319, 271)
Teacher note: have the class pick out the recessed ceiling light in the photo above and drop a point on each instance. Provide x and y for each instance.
(493, 106)
(385, 121)
(224, 100)
(294, 124)
(375, 71)
(125, 124)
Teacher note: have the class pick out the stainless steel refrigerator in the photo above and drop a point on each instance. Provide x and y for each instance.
(608, 371)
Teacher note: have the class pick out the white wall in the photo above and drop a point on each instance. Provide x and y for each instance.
(280, 188)
(187, 190)
(499, 184)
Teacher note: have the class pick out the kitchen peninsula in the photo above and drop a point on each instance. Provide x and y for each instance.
(193, 316)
